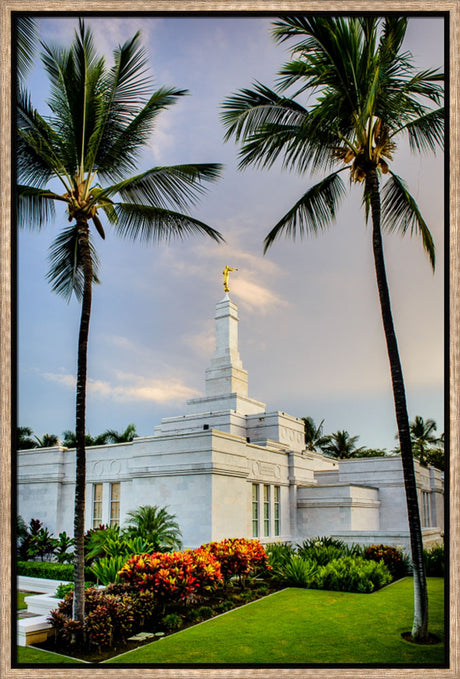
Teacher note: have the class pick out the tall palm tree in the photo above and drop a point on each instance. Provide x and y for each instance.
(47, 440)
(155, 525)
(125, 436)
(99, 121)
(342, 446)
(23, 440)
(364, 93)
(314, 437)
(423, 437)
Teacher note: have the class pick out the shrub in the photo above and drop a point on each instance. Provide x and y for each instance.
(278, 553)
(323, 550)
(224, 606)
(64, 588)
(393, 558)
(205, 612)
(49, 570)
(175, 576)
(109, 618)
(171, 622)
(352, 574)
(238, 556)
(297, 572)
(434, 561)
(106, 569)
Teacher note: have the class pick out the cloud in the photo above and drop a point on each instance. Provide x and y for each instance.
(131, 387)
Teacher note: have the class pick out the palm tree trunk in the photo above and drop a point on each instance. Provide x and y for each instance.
(420, 623)
(78, 612)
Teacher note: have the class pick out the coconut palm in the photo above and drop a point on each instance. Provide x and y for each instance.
(314, 437)
(47, 441)
(23, 439)
(27, 38)
(423, 437)
(100, 119)
(362, 94)
(341, 445)
(156, 526)
(126, 436)
(69, 439)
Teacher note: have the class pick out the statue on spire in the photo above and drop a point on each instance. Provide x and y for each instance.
(226, 273)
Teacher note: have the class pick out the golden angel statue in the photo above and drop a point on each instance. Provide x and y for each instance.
(226, 273)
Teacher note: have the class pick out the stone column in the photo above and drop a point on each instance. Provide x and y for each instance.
(226, 374)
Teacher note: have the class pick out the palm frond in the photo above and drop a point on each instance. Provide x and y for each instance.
(313, 212)
(426, 133)
(148, 223)
(35, 206)
(66, 273)
(401, 213)
(38, 146)
(176, 187)
(121, 144)
(27, 35)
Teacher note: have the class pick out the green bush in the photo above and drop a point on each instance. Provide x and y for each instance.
(171, 622)
(63, 589)
(297, 572)
(393, 558)
(279, 553)
(109, 618)
(49, 570)
(106, 569)
(352, 574)
(434, 561)
(323, 550)
(224, 606)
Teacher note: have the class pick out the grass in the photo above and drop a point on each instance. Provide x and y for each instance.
(20, 601)
(307, 627)
(35, 656)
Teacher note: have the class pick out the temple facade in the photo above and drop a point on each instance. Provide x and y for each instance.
(229, 468)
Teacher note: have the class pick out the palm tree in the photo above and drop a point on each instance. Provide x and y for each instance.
(341, 446)
(314, 437)
(125, 436)
(47, 441)
(422, 437)
(23, 440)
(26, 35)
(69, 439)
(99, 121)
(155, 525)
(364, 95)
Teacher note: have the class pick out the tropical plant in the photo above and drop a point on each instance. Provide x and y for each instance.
(175, 576)
(298, 571)
(100, 119)
(371, 452)
(238, 557)
(47, 441)
(107, 568)
(23, 439)
(126, 436)
(69, 439)
(352, 574)
(435, 561)
(314, 437)
(423, 437)
(64, 544)
(364, 93)
(341, 446)
(96, 539)
(26, 35)
(156, 526)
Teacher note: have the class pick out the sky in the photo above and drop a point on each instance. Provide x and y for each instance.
(310, 331)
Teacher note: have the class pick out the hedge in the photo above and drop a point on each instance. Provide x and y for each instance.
(50, 570)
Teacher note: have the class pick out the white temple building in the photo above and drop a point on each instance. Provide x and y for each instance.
(229, 468)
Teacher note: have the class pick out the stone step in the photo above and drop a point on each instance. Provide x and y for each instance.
(33, 630)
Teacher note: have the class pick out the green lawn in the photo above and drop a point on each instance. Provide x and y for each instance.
(28, 654)
(20, 600)
(307, 626)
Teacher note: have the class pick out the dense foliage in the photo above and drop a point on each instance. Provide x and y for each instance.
(238, 556)
(173, 577)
